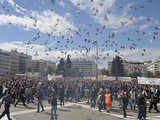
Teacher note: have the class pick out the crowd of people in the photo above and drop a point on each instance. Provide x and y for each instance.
(101, 94)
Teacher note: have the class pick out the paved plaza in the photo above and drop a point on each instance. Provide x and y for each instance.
(73, 111)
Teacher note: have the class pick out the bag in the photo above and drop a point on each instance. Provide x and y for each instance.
(0, 104)
(99, 99)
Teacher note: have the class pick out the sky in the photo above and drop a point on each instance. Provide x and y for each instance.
(52, 29)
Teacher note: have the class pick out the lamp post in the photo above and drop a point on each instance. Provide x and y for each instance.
(26, 62)
(97, 53)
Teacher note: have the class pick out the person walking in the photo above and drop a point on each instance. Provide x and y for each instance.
(7, 101)
(154, 101)
(108, 100)
(99, 101)
(141, 106)
(40, 99)
(21, 97)
(93, 98)
(53, 102)
(125, 103)
(61, 95)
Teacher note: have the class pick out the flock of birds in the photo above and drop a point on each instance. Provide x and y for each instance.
(87, 49)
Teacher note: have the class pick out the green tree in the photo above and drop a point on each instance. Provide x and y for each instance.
(149, 74)
(157, 74)
(135, 74)
(51, 70)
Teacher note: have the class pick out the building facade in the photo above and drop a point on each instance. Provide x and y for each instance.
(25, 63)
(85, 68)
(153, 67)
(5, 63)
(39, 67)
(129, 67)
(14, 59)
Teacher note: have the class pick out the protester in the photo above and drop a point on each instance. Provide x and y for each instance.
(40, 99)
(96, 93)
(141, 102)
(154, 101)
(99, 100)
(53, 102)
(108, 100)
(7, 101)
(61, 95)
(21, 97)
(125, 103)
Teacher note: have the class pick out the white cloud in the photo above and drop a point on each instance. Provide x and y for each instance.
(47, 22)
(61, 3)
(18, 8)
(143, 27)
(112, 20)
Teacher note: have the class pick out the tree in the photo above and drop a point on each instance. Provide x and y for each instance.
(29, 69)
(51, 70)
(117, 67)
(104, 71)
(149, 74)
(136, 74)
(157, 74)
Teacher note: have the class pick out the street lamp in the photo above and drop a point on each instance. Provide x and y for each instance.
(26, 61)
(97, 53)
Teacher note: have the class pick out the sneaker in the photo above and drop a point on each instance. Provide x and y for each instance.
(42, 110)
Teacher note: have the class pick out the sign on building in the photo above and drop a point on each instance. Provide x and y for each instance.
(148, 81)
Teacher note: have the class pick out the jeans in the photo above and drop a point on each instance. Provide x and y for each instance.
(53, 112)
(6, 112)
(40, 104)
(93, 102)
(130, 102)
(155, 106)
(124, 110)
(141, 112)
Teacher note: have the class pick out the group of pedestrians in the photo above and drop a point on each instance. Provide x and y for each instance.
(126, 95)
(101, 94)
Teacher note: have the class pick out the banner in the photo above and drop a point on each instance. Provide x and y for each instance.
(148, 81)
(109, 78)
(125, 79)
